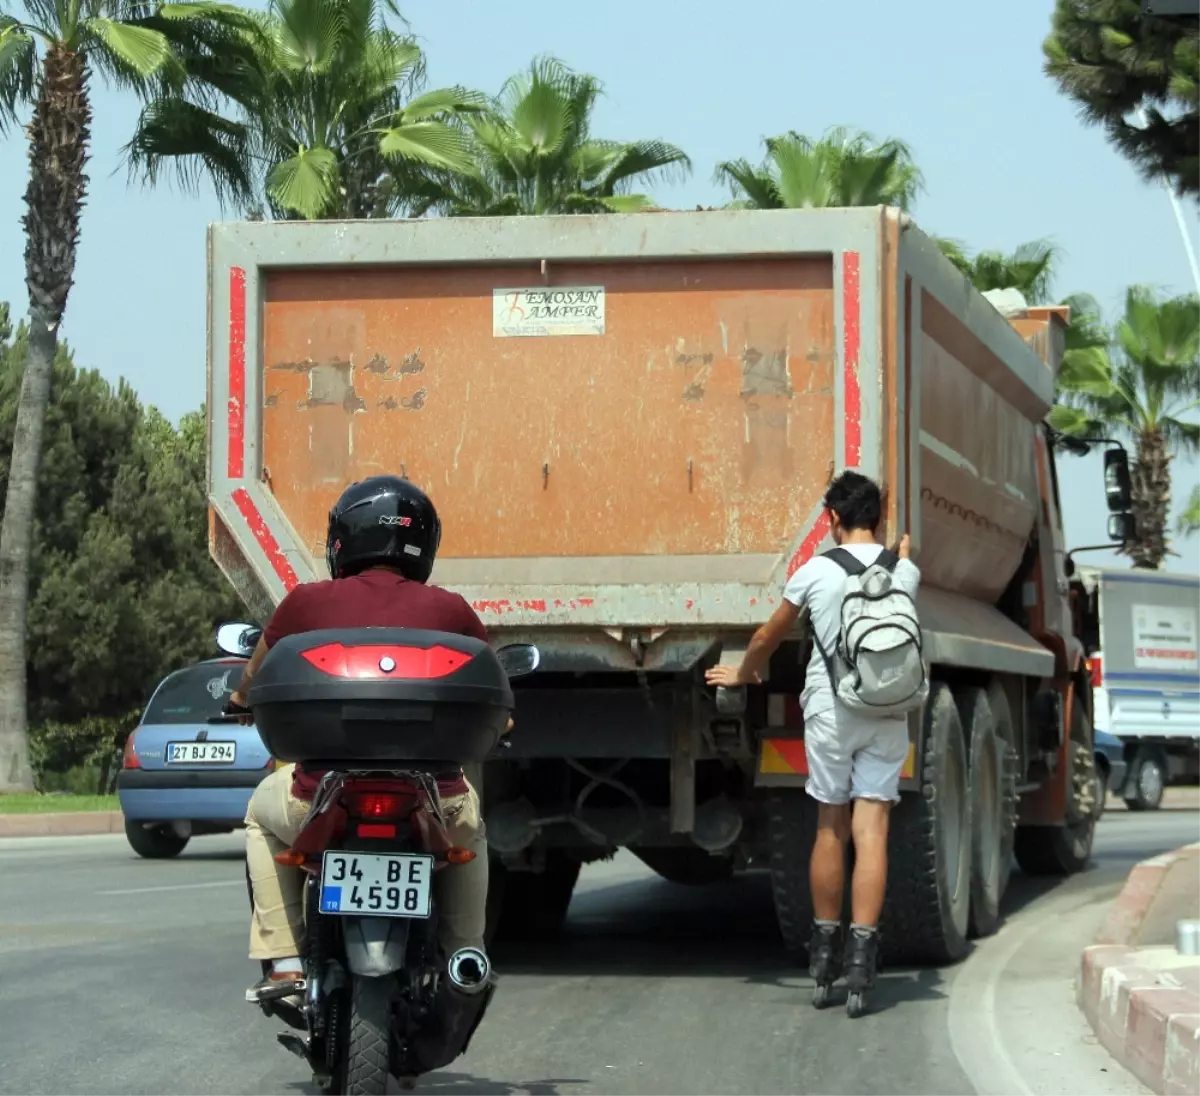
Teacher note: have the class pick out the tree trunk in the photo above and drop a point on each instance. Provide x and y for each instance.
(1150, 479)
(58, 138)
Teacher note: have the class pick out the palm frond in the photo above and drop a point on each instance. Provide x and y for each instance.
(18, 70)
(434, 144)
(197, 143)
(138, 50)
(306, 183)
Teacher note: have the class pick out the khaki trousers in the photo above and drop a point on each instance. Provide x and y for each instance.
(273, 819)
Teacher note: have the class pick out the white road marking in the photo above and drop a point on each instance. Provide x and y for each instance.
(973, 1016)
(175, 887)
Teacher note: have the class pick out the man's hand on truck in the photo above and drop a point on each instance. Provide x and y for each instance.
(767, 640)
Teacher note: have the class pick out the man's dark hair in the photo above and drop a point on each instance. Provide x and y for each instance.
(856, 500)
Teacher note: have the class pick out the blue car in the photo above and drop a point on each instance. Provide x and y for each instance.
(183, 776)
(1110, 761)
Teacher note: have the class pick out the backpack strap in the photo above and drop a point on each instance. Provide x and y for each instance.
(852, 565)
(847, 561)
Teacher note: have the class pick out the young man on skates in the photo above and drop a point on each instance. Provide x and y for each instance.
(855, 756)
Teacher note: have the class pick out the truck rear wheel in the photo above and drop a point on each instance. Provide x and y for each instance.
(687, 865)
(530, 906)
(927, 911)
(791, 830)
(992, 806)
(1146, 781)
(1066, 849)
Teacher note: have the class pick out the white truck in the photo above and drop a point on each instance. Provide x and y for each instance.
(1140, 630)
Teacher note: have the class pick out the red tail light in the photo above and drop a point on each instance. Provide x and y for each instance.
(129, 758)
(1096, 665)
(386, 662)
(374, 804)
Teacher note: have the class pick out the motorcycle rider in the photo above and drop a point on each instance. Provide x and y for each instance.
(380, 546)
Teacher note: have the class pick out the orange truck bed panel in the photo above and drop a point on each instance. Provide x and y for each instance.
(627, 422)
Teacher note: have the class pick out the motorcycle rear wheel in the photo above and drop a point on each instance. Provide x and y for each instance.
(365, 1064)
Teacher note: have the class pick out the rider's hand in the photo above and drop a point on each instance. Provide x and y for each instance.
(236, 700)
(729, 677)
(509, 727)
(904, 548)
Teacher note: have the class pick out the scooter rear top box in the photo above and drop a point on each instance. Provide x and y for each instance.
(377, 695)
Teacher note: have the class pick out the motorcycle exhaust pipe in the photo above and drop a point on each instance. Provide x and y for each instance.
(469, 971)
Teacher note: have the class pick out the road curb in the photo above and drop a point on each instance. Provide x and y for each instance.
(67, 824)
(1144, 1002)
(1130, 909)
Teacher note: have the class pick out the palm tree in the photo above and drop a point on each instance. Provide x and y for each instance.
(535, 154)
(1189, 520)
(1029, 269)
(305, 111)
(842, 168)
(47, 56)
(1116, 60)
(1140, 386)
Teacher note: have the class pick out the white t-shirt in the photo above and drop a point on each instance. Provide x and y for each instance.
(820, 585)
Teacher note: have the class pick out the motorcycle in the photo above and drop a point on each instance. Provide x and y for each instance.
(383, 711)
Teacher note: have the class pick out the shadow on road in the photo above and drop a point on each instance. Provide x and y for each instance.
(450, 1083)
(648, 928)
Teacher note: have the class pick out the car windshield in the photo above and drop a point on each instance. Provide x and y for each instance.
(194, 695)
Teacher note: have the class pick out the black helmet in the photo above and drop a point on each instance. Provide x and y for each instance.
(384, 519)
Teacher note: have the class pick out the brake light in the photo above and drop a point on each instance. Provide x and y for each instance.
(1096, 665)
(374, 804)
(458, 855)
(386, 662)
(129, 757)
(376, 829)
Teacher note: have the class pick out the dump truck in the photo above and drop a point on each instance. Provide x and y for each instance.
(627, 423)
(1140, 638)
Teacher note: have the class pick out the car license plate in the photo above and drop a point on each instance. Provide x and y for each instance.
(201, 753)
(376, 884)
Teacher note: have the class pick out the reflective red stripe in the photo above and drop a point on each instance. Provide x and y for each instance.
(384, 662)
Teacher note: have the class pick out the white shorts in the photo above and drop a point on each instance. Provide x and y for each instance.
(854, 758)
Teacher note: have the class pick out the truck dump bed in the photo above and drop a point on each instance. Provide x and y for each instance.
(625, 421)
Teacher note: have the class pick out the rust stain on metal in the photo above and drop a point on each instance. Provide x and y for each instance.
(331, 385)
(412, 363)
(765, 374)
(493, 411)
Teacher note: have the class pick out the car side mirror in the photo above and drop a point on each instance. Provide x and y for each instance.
(238, 639)
(1117, 487)
(1122, 528)
(519, 659)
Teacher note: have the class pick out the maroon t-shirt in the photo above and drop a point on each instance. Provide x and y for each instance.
(378, 598)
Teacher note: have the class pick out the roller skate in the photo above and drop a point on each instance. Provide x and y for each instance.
(824, 960)
(862, 955)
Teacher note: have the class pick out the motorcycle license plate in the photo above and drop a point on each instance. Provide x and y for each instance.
(376, 884)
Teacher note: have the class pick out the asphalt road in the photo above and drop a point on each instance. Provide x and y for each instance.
(119, 975)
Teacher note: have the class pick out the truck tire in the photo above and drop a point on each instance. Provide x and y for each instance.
(1146, 781)
(791, 830)
(530, 906)
(155, 842)
(991, 809)
(686, 865)
(1066, 848)
(926, 915)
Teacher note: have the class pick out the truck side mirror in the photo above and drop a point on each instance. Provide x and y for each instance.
(1117, 487)
(1122, 528)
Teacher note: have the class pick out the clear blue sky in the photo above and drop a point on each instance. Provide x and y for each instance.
(1005, 157)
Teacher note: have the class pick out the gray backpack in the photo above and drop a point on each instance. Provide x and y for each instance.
(877, 668)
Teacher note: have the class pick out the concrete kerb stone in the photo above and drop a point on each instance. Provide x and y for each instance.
(1135, 899)
(1144, 1002)
(66, 824)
